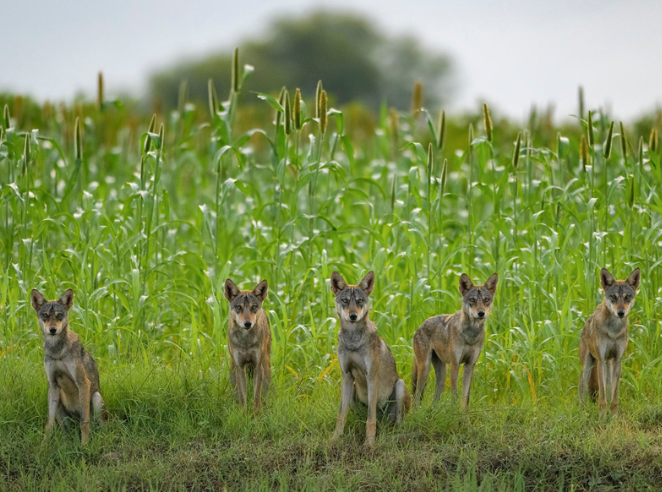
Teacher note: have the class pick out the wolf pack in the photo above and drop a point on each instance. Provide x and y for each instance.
(369, 373)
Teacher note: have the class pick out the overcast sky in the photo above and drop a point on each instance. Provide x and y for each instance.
(510, 52)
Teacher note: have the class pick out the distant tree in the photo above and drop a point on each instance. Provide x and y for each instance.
(354, 60)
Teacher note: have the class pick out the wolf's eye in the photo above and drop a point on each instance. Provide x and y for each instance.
(345, 301)
(238, 309)
(486, 300)
(359, 301)
(627, 298)
(58, 316)
(44, 316)
(614, 298)
(472, 300)
(254, 308)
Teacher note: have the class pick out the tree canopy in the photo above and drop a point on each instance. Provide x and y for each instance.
(355, 61)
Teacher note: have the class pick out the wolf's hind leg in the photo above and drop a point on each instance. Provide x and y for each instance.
(440, 376)
(586, 373)
(266, 374)
(423, 365)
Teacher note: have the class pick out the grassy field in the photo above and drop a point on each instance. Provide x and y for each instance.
(145, 221)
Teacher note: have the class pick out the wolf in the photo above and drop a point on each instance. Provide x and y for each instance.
(369, 373)
(604, 340)
(73, 378)
(453, 339)
(249, 341)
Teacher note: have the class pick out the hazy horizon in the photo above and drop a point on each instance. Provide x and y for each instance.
(513, 54)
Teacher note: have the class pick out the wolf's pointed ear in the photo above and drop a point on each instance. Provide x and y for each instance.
(634, 279)
(465, 284)
(260, 290)
(368, 283)
(231, 290)
(491, 283)
(67, 299)
(37, 299)
(338, 283)
(606, 279)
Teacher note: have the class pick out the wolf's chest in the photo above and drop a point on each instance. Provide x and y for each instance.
(471, 335)
(245, 338)
(612, 348)
(60, 374)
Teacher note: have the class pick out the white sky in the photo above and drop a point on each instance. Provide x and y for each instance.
(511, 52)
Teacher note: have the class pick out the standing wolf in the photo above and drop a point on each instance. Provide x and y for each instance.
(249, 341)
(73, 379)
(605, 338)
(369, 373)
(453, 339)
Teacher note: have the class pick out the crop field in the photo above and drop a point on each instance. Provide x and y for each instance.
(145, 218)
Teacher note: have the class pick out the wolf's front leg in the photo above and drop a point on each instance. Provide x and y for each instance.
(455, 371)
(615, 380)
(53, 406)
(467, 377)
(240, 388)
(257, 386)
(602, 386)
(346, 397)
(371, 423)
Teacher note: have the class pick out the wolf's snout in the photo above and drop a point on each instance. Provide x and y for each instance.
(247, 324)
(353, 317)
(481, 314)
(621, 313)
(53, 330)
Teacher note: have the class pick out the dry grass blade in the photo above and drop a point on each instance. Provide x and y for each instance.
(323, 112)
(608, 142)
(442, 130)
(487, 122)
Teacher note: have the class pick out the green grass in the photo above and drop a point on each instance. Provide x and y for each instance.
(145, 226)
(176, 427)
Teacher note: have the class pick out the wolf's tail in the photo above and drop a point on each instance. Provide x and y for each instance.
(407, 400)
(414, 377)
(99, 407)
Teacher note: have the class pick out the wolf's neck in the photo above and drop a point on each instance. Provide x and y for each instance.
(467, 321)
(357, 329)
(361, 325)
(613, 321)
(54, 346)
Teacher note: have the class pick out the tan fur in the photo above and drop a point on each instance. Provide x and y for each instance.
(453, 339)
(73, 379)
(368, 367)
(250, 348)
(604, 340)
